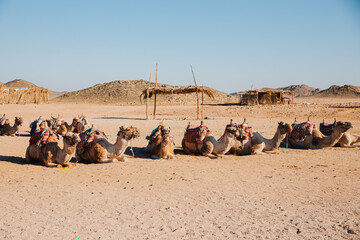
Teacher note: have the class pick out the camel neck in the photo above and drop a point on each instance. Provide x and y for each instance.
(277, 139)
(120, 145)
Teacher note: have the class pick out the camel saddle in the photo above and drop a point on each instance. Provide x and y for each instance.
(300, 130)
(327, 128)
(193, 133)
(155, 133)
(88, 137)
(247, 131)
(41, 137)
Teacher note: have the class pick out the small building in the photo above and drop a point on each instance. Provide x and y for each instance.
(266, 97)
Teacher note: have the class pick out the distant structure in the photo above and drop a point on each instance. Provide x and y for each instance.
(21, 95)
(265, 97)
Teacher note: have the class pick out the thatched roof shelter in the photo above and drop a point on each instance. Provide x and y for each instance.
(149, 92)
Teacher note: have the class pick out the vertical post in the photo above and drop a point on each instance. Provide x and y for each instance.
(155, 91)
(197, 95)
(292, 97)
(202, 103)
(147, 96)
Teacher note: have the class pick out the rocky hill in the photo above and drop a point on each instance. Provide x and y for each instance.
(128, 92)
(20, 83)
(302, 90)
(340, 91)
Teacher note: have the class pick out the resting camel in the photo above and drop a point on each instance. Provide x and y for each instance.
(347, 140)
(7, 130)
(96, 148)
(198, 139)
(260, 144)
(242, 145)
(48, 151)
(317, 140)
(161, 143)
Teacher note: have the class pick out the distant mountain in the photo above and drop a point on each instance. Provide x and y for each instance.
(302, 90)
(129, 91)
(20, 83)
(299, 90)
(340, 91)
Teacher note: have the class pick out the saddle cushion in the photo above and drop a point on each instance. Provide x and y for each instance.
(327, 129)
(41, 137)
(300, 130)
(89, 139)
(196, 133)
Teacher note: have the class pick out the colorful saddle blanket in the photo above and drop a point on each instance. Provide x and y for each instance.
(300, 130)
(89, 136)
(41, 137)
(245, 133)
(326, 128)
(196, 133)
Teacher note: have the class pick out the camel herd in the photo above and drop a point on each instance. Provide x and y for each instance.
(89, 144)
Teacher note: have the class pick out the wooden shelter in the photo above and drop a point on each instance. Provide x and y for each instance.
(23, 95)
(264, 97)
(153, 91)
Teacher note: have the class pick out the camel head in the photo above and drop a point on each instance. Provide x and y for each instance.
(71, 138)
(232, 130)
(165, 131)
(343, 126)
(128, 133)
(75, 121)
(284, 128)
(19, 121)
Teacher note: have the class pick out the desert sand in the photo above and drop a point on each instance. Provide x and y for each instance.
(287, 194)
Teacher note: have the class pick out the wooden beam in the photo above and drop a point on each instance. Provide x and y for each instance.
(197, 95)
(155, 91)
(147, 96)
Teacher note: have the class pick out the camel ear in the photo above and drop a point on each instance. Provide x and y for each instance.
(122, 128)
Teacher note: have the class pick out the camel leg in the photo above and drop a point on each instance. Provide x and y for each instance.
(121, 159)
(51, 164)
(257, 149)
(108, 160)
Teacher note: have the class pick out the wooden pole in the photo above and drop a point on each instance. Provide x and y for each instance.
(147, 96)
(155, 91)
(197, 95)
(202, 103)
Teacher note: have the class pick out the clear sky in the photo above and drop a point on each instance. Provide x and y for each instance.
(232, 45)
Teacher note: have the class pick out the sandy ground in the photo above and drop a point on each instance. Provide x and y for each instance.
(291, 194)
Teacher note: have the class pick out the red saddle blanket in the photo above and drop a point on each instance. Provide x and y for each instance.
(196, 133)
(326, 128)
(245, 135)
(300, 130)
(91, 137)
(41, 137)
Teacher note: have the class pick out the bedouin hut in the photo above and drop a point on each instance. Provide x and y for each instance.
(23, 95)
(256, 97)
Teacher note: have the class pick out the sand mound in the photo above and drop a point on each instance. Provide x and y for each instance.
(340, 91)
(128, 92)
(20, 83)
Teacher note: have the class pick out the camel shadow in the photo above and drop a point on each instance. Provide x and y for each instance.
(11, 159)
(129, 118)
(139, 152)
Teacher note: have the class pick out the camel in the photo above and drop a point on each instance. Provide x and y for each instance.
(315, 139)
(44, 147)
(200, 140)
(161, 143)
(347, 140)
(7, 130)
(242, 145)
(96, 148)
(260, 144)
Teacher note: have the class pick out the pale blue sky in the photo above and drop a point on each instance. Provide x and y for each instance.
(70, 45)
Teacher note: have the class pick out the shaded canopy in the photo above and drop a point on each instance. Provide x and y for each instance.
(149, 92)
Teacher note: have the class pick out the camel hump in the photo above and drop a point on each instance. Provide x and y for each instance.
(300, 130)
